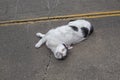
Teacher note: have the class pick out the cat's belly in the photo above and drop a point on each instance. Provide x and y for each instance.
(67, 37)
(74, 40)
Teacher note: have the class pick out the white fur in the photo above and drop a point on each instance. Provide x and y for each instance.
(55, 38)
(81, 23)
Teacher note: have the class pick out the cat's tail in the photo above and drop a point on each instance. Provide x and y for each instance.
(40, 35)
(87, 32)
(91, 30)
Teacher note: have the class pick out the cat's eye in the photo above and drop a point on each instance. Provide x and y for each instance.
(63, 50)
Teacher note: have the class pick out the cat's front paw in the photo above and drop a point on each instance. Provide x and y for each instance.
(37, 46)
(70, 47)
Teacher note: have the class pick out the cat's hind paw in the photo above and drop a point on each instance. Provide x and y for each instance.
(40, 35)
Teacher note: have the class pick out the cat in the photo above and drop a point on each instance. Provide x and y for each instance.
(60, 39)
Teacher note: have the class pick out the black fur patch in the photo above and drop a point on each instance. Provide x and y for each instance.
(74, 28)
(91, 30)
(71, 20)
(85, 31)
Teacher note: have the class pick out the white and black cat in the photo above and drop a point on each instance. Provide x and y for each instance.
(60, 39)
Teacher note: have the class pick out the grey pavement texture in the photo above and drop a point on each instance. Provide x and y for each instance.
(22, 9)
(97, 58)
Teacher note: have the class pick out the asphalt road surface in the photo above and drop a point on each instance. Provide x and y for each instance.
(97, 58)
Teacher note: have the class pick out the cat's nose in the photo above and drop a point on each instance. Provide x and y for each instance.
(60, 56)
(63, 58)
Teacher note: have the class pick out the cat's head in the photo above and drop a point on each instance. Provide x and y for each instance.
(61, 51)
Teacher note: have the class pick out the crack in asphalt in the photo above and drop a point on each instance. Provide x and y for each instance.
(49, 61)
(47, 68)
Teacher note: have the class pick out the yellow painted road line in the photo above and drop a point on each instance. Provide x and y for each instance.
(65, 17)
